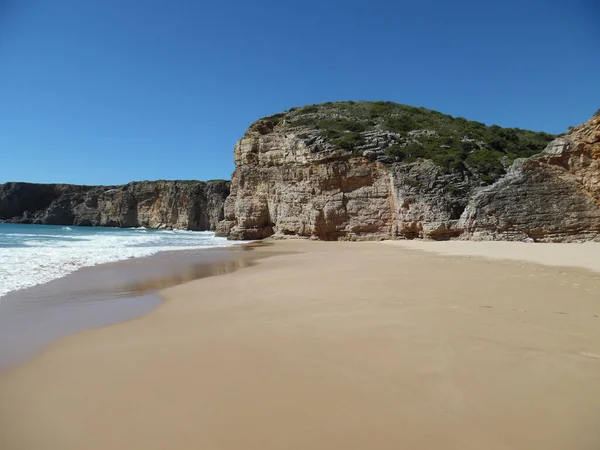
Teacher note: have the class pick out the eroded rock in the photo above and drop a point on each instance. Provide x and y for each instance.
(291, 182)
(190, 205)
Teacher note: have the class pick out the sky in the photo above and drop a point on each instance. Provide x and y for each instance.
(111, 91)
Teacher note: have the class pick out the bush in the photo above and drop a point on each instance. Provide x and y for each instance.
(468, 146)
(311, 109)
(402, 124)
(355, 127)
(379, 109)
(341, 124)
(349, 141)
(486, 163)
(407, 153)
(330, 134)
(451, 160)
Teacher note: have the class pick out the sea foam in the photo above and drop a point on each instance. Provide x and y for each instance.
(36, 254)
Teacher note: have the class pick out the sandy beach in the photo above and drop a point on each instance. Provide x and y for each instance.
(103, 295)
(335, 345)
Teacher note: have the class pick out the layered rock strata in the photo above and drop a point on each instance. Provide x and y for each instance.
(554, 196)
(288, 181)
(189, 205)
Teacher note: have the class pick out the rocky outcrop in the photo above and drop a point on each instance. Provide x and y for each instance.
(290, 180)
(553, 197)
(190, 205)
(331, 195)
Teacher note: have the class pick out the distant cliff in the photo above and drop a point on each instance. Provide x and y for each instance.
(190, 205)
(379, 170)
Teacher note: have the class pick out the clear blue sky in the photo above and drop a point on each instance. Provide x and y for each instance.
(110, 91)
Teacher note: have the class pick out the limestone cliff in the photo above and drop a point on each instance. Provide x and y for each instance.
(554, 196)
(190, 205)
(379, 170)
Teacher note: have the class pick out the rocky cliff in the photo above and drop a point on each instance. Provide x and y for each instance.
(553, 196)
(190, 205)
(363, 170)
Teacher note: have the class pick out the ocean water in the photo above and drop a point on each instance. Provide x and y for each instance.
(36, 254)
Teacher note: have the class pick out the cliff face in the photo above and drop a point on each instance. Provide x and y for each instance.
(280, 187)
(191, 205)
(291, 179)
(554, 196)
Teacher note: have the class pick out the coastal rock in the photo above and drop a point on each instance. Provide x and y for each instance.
(552, 197)
(291, 179)
(190, 205)
(282, 188)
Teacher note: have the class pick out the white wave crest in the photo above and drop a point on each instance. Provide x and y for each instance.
(42, 259)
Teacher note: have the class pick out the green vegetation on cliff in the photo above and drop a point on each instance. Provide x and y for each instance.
(391, 132)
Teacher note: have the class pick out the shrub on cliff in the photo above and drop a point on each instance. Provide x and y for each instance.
(349, 141)
(409, 133)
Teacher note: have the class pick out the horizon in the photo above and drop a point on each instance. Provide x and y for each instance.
(110, 93)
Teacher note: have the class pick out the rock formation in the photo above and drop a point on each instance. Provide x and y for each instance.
(350, 171)
(190, 205)
(359, 171)
(554, 196)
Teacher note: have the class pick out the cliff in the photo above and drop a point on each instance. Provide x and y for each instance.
(553, 196)
(190, 205)
(364, 170)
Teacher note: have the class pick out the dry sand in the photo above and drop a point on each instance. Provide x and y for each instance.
(585, 255)
(342, 346)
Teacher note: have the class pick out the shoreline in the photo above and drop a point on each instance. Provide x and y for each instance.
(329, 345)
(136, 298)
(102, 295)
(72, 259)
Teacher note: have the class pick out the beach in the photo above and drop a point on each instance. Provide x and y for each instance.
(102, 295)
(335, 345)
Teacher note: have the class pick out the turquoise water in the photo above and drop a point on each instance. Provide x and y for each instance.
(35, 254)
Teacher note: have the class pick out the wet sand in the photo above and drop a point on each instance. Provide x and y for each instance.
(102, 295)
(335, 346)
